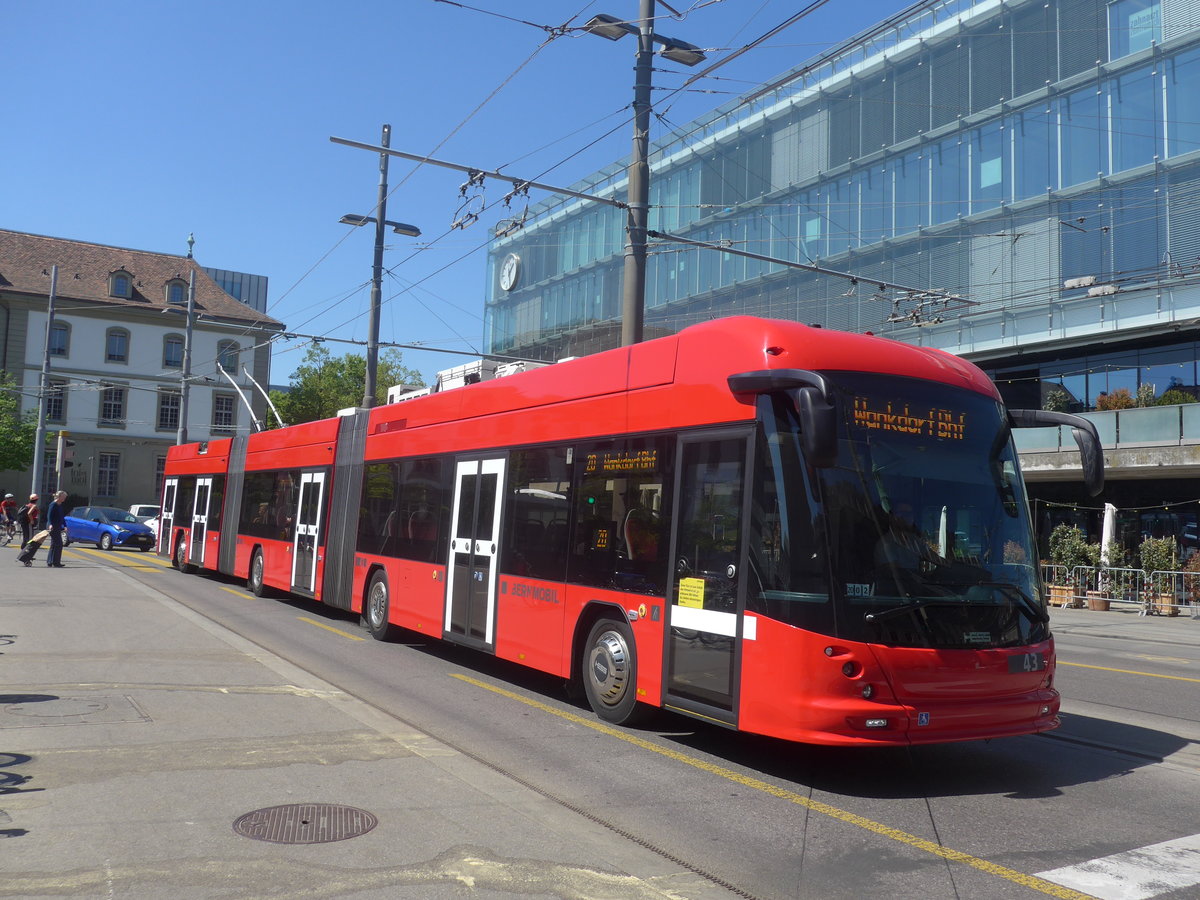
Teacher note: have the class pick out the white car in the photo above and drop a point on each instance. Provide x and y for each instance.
(144, 511)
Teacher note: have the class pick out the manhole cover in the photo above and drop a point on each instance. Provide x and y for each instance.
(305, 823)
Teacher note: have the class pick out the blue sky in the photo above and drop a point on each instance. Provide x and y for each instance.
(136, 123)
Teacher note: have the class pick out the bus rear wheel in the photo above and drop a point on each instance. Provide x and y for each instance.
(609, 673)
(377, 608)
(254, 581)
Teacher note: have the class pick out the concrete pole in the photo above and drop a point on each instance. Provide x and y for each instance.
(633, 298)
(39, 438)
(377, 275)
(185, 377)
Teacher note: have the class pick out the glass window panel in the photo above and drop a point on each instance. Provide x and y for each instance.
(1134, 100)
(173, 352)
(1133, 25)
(1183, 103)
(989, 152)
(168, 410)
(949, 181)
(912, 192)
(1035, 156)
(1080, 136)
(843, 216)
(60, 336)
(117, 346)
(1111, 373)
(876, 204)
(1170, 369)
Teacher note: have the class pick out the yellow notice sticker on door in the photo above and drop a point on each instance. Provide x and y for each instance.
(691, 592)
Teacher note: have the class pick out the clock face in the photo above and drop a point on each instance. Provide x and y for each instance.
(510, 271)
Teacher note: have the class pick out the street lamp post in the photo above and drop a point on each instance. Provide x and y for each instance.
(633, 296)
(377, 267)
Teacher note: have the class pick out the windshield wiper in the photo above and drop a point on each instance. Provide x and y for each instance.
(1024, 601)
(908, 607)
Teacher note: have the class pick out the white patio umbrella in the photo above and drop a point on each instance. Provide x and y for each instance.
(1108, 533)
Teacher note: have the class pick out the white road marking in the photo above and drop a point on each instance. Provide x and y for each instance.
(1135, 874)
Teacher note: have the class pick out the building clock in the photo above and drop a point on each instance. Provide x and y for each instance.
(510, 272)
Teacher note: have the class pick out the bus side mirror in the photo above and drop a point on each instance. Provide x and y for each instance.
(1091, 454)
(818, 427)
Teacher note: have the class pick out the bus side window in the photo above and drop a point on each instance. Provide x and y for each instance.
(622, 507)
(535, 537)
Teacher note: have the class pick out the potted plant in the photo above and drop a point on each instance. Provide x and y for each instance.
(1100, 599)
(1068, 549)
(1159, 559)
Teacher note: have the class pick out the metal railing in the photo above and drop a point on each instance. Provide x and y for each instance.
(1162, 593)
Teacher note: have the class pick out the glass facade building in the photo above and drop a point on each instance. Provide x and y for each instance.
(1038, 162)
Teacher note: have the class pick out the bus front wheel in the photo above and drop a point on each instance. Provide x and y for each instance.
(255, 581)
(609, 673)
(377, 609)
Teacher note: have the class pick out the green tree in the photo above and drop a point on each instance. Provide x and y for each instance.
(323, 383)
(17, 429)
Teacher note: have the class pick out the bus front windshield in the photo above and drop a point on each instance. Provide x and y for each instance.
(921, 525)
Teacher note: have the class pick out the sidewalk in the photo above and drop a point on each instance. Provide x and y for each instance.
(135, 736)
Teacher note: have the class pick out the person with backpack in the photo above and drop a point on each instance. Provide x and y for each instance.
(27, 518)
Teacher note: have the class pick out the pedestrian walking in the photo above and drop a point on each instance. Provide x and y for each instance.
(56, 522)
(27, 517)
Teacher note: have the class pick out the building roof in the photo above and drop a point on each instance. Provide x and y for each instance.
(84, 270)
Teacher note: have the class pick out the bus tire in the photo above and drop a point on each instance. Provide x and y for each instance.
(181, 562)
(255, 580)
(377, 607)
(609, 673)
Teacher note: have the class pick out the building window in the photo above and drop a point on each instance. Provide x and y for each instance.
(49, 469)
(177, 291)
(120, 284)
(160, 471)
(60, 339)
(108, 466)
(1133, 25)
(168, 410)
(173, 351)
(116, 345)
(227, 356)
(224, 418)
(112, 406)
(56, 402)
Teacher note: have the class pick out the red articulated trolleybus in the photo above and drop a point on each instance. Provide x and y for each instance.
(818, 536)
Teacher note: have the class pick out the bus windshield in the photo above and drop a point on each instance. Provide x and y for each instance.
(920, 529)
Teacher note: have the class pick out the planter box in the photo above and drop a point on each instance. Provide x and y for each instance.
(1097, 600)
(1062, 595)
(1164, 605)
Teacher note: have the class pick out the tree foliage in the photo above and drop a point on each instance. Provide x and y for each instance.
(17, 429)
(323, 383)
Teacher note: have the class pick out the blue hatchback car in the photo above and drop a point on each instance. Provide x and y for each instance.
(107, 527)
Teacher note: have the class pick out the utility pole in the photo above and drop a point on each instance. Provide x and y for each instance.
(39, 439)
(633, 298)
(185, 378)
(377, 275)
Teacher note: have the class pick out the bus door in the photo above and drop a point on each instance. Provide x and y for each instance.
(706, 595)
(308, 526)
(474, 552)
(166, 515)
(200, 520)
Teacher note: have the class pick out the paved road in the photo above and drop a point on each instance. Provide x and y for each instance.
(487, 781)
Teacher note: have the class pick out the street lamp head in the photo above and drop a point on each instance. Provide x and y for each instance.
(353, 219)
(406, 230)
(681, 52)
(398, 227)
(610, 27)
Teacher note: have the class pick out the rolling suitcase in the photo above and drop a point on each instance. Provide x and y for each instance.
(29, 551)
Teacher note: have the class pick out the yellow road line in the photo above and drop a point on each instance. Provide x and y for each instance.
(345, 634)
(1130, 672)
(111, 556)
(1030, 881)
(239, 592)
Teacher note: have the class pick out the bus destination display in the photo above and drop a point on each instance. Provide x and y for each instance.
(899, 417)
